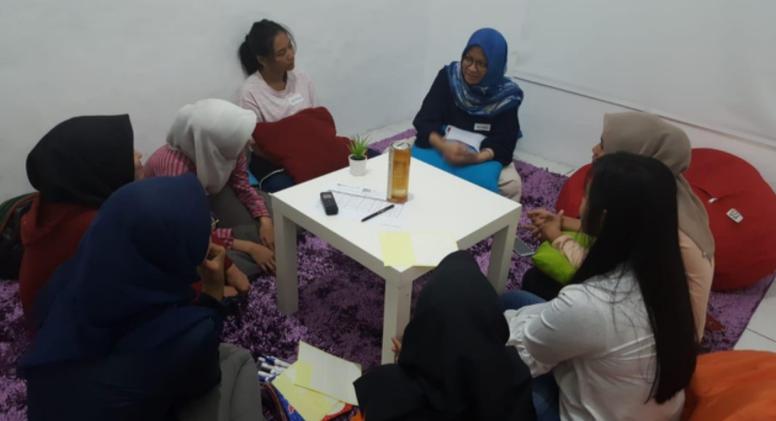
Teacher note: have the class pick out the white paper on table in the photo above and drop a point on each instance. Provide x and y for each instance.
(431, 247)
(464, 136)
(329, 375)
(355, 203)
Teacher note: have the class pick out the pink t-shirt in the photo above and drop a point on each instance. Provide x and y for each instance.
(271, 105)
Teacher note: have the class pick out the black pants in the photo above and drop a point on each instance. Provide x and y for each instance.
(537, 282)
(273, 178)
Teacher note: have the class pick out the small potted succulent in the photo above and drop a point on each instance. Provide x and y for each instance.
(358, 147)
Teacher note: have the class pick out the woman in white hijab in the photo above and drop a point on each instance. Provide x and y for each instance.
(209, 138)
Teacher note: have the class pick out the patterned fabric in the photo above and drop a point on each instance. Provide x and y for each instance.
(495, 93)
(482, 101)
(169, 162)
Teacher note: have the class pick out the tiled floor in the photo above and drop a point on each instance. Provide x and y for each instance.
(760, 334)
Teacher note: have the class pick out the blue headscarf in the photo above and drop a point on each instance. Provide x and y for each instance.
(495, 93)
(128, 288)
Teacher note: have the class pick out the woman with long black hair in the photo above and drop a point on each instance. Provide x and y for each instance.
(620, 340)
(273, 90)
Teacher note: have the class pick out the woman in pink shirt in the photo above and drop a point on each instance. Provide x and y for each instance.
(209, 139)
(273, 90)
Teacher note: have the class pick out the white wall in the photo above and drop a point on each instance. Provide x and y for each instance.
(706, 61)
(562, 121)
(372, 62)
(564, 126)
(147, 58)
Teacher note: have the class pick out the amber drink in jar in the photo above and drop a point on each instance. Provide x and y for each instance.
(399, 172)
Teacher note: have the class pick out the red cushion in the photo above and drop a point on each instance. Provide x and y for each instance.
(305, 144)
(746, 251)
(571, 194)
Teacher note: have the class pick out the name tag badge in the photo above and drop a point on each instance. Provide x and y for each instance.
(481, 127)
(295, 99)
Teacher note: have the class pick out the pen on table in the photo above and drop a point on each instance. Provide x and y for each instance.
(383, 210)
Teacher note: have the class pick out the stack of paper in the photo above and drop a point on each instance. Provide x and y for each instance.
(318, 384)
(402, 249)
(464, 136)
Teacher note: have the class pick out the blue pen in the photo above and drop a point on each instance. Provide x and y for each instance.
(277, 361)
(266, 377)
(271, 369)
(274, 361)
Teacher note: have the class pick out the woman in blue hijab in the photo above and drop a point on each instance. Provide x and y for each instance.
(120, 334)
(473, 95)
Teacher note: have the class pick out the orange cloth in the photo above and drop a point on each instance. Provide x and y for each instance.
(731, 386)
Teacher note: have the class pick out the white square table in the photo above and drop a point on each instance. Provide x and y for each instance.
(438, 202)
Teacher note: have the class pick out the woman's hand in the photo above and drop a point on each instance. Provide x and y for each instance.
(456, 153)
(267, 232)
(545, 225)
(212, 272)
(539, 216)
(263, 256)
(551, 228)
(236, 281)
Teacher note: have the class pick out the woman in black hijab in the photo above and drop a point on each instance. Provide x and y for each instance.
(453, 364)
(74, 167)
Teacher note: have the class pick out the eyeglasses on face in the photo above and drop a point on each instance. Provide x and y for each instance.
(478, 65)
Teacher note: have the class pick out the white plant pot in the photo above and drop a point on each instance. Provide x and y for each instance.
(357, 166)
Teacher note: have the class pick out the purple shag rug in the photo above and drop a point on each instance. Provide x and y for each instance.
(341, 302)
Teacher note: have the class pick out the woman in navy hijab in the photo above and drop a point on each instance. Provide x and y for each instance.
(475, 96)
(120, 335)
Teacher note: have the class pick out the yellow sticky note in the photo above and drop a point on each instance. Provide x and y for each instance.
(397, 249)
(310, 404)
(304, 373)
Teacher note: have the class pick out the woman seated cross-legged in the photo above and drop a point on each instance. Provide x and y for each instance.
(74, 167)
(273, 90)
(453, 361)
(473, 95)
(276, 91)
(647, 135)
(620, 339)
(209, 138)
(120, 333)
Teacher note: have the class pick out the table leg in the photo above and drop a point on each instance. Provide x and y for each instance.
(501, 256)
(286, 264)
(396, 313)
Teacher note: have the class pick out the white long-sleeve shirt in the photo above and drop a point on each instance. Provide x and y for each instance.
(596, 339)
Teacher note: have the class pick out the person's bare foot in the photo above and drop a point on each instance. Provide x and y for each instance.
(396, 348)
(229, 291)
